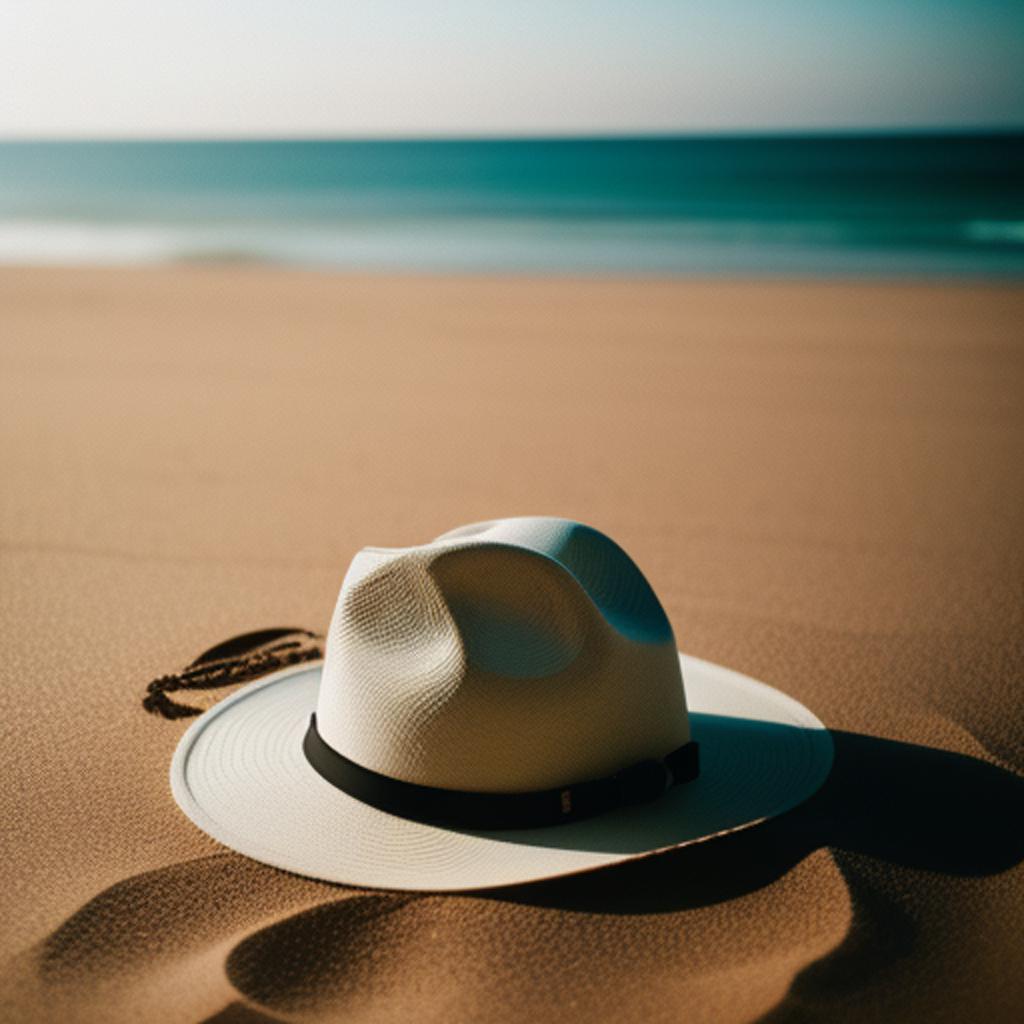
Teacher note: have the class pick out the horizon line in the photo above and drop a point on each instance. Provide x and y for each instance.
(525, 136)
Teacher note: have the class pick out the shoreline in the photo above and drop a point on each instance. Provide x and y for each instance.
(882, 280)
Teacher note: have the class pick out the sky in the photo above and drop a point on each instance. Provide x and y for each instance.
(201, 68)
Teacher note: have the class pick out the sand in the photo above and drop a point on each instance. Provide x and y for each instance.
(821, 480)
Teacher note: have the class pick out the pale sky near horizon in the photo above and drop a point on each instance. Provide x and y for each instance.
(402, 67)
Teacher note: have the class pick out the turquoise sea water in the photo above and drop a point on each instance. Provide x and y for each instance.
(825, 205)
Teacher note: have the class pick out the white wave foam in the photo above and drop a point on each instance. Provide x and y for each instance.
(1007, 231)
(65, 242)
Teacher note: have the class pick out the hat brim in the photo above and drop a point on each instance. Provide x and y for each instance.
(240, 774)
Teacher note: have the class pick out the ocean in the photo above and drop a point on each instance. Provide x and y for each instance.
(775, 205)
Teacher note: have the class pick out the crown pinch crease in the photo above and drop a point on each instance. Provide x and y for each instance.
(509, 656)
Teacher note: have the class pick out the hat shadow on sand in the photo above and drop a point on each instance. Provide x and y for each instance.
(899, 803)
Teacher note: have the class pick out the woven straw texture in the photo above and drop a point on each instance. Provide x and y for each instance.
(521, 654)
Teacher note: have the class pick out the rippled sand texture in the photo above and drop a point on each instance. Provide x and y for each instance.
(821, 481)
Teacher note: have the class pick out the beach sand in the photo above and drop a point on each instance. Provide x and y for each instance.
(821, 480)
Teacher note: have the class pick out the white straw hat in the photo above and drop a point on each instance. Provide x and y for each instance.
(501, 705)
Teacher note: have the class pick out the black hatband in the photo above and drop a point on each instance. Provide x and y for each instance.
(454, 808)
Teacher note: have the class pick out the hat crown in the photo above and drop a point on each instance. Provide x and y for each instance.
(504, 656)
